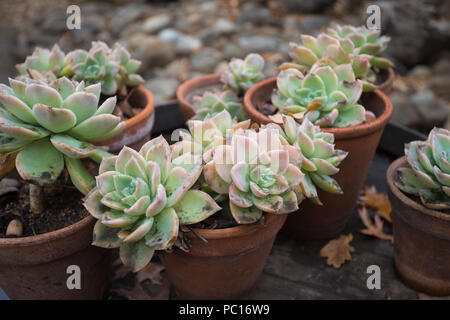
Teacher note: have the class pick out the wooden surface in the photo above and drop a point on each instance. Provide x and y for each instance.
(295, 270)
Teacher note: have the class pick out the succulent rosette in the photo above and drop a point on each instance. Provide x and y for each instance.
(141, 198)
(113, 68)
(327, 97)
(320, 159)
(357, 46)
(241, 75)
(258, 174)
(48, 125)
(428, 173)
(214, 102)
(205, 135)
(51, 63)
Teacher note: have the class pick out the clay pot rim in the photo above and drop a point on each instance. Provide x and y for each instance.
(237, 231)
(340, 133)
(148, 110)
(404, 198)
(48, 236)
(186, 87)
(389, 80)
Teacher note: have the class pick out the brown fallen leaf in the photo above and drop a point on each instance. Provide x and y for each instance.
(374, 228)
(159, 287)
(121, 271)
(338, 251)
(152, 271)
(379, 201)
(138, 292)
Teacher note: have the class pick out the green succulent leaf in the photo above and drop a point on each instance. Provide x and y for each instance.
(40, 162)
(195, 206)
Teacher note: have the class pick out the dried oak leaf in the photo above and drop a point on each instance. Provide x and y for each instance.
(121, 271)
(159, 288)
(378, 201)
(374, 228)
(152, 271)
(338, 251)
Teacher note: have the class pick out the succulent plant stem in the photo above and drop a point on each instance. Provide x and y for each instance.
(37, 204)
(14, 229)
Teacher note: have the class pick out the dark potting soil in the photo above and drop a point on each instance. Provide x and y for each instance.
(63, 207)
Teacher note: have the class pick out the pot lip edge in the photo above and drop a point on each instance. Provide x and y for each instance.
(407, 200)
(147, 111)
(48, 236)
(340, 133)
(239, 230)
(385, 84)
(182, 89)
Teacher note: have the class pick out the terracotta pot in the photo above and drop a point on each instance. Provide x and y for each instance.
(36, 267)
(138, 128)
(193, 87)
(314, 222)
(421, 240)
(387, 79)
(226, 267)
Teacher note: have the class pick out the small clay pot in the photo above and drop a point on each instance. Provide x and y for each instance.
(386, 78)
(37, 267)
(226, 267)
(314, 222)
(194, 87)
(138, 128)
(421, 240)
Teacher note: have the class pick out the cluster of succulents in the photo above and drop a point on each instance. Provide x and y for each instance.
(257, 173)
(357, 46)
(141, 198)
(428, 173)
(204, 135)
(113, 68)
(47, 127)
(239, 76)
(319, 159)
(53, 63)
(327, 96)
(213, 102)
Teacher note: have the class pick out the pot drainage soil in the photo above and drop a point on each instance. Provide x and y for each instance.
(63, 208)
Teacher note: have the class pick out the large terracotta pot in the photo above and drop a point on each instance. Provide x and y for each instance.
(36, 267)
(314, 222)
(226, 267)
(387, 79)
(192, 87)
(138, 128)
(421, 240)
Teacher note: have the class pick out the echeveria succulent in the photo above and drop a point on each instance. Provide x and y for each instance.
(328, 97)
(213, 102)
(320, 159)
(141, 198)
(428, 174)
(241, 75)
(48, 125)
(113, 68)
(46, 61)
(207, 134)
(256, 172)
(358, 47)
